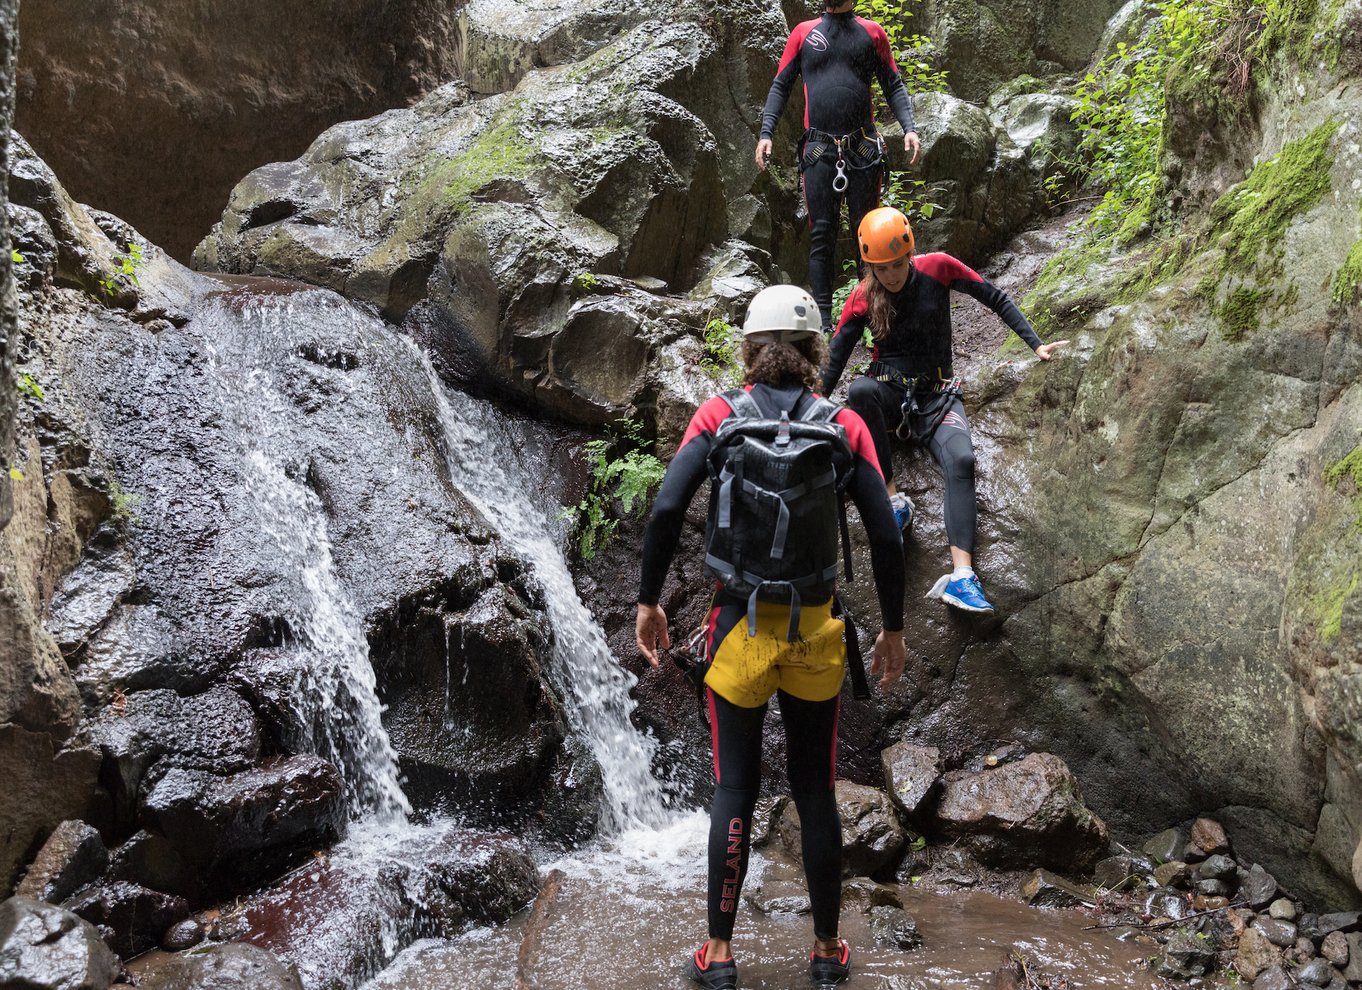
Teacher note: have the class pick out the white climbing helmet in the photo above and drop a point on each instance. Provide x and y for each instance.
(781, 314)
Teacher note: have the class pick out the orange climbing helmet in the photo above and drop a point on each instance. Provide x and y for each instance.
(884, 236)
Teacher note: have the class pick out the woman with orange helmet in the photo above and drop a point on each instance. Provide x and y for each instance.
(910, 386)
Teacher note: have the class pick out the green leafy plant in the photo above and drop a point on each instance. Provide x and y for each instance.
(910, 50)
(125, 269)
(623, 474)
(1123, 105)
(585, 283)
(28, 385)
(15, 257)
(124, 504)
(722, 343)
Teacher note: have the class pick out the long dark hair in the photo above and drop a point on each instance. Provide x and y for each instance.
(781, 365)
(879, 305)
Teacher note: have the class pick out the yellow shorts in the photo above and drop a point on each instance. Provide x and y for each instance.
(747, 670)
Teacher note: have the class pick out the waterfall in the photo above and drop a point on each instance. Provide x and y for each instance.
(593, 685)
(332, 696)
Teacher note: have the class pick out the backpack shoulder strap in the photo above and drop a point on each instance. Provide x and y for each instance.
(742, 404)
(820, 411)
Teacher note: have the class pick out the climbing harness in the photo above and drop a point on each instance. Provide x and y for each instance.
(943, 390)
(839, 181)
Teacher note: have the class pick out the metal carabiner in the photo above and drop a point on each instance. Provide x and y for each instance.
(839, 181)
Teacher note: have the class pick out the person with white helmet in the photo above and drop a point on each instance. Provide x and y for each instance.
(910, 386)
(771, 628)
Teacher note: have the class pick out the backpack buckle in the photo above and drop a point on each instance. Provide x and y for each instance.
(783, 431)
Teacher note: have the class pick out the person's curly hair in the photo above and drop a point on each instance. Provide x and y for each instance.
(782, 365)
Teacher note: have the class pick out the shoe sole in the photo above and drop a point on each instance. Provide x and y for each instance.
(950, 599)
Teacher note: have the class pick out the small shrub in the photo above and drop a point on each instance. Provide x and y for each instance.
(722, 342)
(125, 270)
(623, 474)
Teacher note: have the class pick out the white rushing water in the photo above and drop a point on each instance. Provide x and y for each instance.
(332, 693)
(594, 687)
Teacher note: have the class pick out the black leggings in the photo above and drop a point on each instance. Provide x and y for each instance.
(825, 207)
(810, 742)
(880, 404)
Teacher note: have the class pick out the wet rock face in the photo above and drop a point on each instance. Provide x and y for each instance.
(986, 42)
(73, 856)
(43, 946)
(216, 91)
(133, 917)
(217, 967)
(1025, 813)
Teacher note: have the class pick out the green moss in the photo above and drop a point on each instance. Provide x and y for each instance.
(1328, 605)
(500, 152)
(1238, 314)
(1254, 215)
(1350, 466)
(1288, 26)
(1348, 279)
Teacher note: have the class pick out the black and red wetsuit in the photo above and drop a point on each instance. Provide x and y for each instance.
(838, 55)
(917, 351)
(810, 726)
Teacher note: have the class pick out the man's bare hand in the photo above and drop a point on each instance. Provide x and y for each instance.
(887, 661)
(763, 152)
(1046, 351)
(913, 145)
(650, 630)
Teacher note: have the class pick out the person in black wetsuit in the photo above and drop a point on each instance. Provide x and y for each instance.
(782, 351)
(838, 55)
(910, 385)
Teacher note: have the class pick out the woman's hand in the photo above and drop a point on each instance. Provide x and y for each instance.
(913, 145)
(650, 629)
(887, 660)
(1046, 351)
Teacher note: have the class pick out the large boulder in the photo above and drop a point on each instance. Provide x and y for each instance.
(982, 43)
(73, 856)
(1026, 813)
(227, 966)
(44, 947)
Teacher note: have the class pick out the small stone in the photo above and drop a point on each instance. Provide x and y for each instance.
(1209, 834)
(894, 927)
(1044, 889)
(1115, 873)
(182, 935)
(1259, 888)
(1201, 902)
(1316, 973)
(1335, 948)
(1279, 933)
(1171, 874)
(1308, 925)
(1217, 868)
(73, 857)
(869, 894)
(1339, 921)
(1337, 983)
(1305, 949)
(1352, 972)
(1166, 903)
(1274, 978)
(1193, 853)
(1185, 957)
(1255, 954)
(1282, 909)
(1211, 888)
(1165, 846)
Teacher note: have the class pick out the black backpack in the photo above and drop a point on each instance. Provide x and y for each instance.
(777, 504)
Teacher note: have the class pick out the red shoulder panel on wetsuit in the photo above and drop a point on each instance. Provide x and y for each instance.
(707, 418)
(856, 305)
(795, 42)
(859, 436)
(881, 40)
(945, 269)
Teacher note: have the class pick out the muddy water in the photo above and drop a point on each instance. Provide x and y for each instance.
(624, 918)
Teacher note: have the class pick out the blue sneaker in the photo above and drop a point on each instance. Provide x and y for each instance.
(903, 512)
(964, 593)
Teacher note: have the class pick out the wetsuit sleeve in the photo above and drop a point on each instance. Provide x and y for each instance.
(849, 330)
(891, 80)
(1001, 303)
(684, 475)
(886, 542)
(783, 83)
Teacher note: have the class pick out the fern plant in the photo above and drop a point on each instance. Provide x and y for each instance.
(622, 473)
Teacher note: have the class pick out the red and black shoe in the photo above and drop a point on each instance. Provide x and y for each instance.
(717, 974)
(828, 971)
